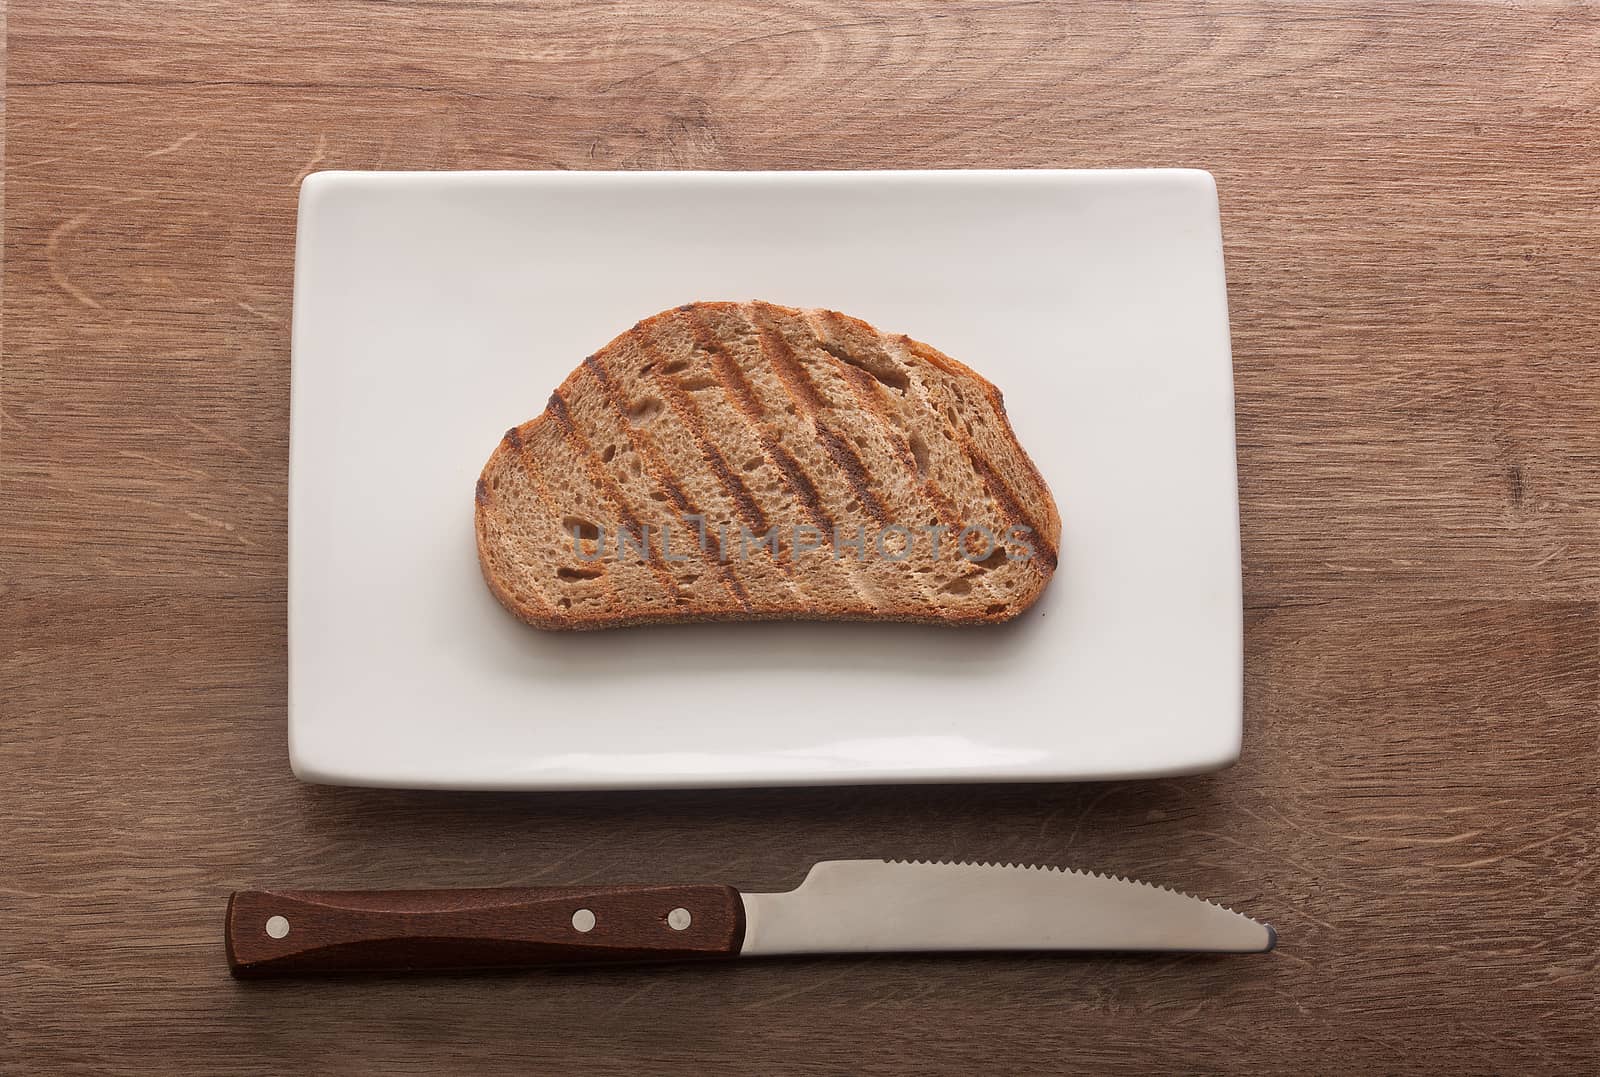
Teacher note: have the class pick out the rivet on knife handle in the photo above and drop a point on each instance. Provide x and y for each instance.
(296, 931)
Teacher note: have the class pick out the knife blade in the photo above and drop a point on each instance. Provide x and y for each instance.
(841, 907)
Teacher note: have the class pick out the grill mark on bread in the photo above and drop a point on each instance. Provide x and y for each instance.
(1046, 554)
(873, 395)
(804, 392)
(784, 364)
(713, 551)
(804, 489)
(997, 400)
(868, 390)
(668, 483)
(563, 418)
(1015, 514)
(799, 483)
(732, 378)
(534, 474)
(1041, 489)
(662, 474)
(743, 397)
(808, 399)
(609, 488)
(797, 383)
(749, 511)
(747, 404)
(855, 472)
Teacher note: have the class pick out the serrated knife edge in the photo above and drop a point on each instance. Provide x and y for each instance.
(877, 906)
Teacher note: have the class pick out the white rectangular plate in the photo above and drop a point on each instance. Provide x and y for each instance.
(434, 311)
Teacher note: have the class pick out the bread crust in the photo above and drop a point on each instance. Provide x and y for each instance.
(867, 369)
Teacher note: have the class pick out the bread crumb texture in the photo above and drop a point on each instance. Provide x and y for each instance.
(748, 461)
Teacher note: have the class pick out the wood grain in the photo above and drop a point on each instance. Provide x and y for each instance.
(1413, 245)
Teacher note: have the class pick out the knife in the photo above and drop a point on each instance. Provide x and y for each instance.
(842, 907)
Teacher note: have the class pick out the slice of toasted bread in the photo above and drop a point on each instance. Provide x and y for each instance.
(746, 461)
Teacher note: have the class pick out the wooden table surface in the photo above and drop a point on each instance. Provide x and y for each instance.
(1413, 247)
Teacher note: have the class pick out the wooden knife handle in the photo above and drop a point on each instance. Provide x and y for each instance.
(287, 932)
